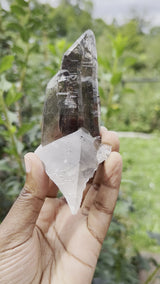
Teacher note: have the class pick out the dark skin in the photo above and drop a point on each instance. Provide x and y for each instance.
(42, 242)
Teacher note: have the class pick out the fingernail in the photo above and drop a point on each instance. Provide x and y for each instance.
(27, 164)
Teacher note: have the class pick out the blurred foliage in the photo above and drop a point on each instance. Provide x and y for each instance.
(140, 184)
(33, 38)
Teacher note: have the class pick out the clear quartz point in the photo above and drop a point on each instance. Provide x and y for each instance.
(71, 161)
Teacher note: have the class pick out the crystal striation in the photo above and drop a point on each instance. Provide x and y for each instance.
(71, 148)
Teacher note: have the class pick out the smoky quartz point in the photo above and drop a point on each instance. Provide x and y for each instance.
(72, 94)
(71, 149)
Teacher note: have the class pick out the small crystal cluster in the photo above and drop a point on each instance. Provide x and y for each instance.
(71, 148)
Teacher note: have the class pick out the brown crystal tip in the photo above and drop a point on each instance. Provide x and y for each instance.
(72, 99)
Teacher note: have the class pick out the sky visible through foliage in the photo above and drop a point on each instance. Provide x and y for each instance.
(122, 10)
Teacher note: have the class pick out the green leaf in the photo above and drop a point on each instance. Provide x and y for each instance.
(20, 146)
(12, 97)
(119, 44)
(34, 48)
(116, 78)
(25, 35)
(22, 3)
(15, 27)
(25, 128)
(2, 122)
(107, 76)
(102, 93)
(13, 129)
(104, 62)
(6, 63)
(115, 106)
(128, 91)
(61, 44)
(13, 117)
(4, 84)
(103, 110)
(22, 63)
(33, 24)
(19, 11)
(4, 165)
(5, 135)
(129, 61)
(52, 49)
(51, 70)
(13, 186)
(17, 49)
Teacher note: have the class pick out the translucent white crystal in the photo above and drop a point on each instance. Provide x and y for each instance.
(71, 161)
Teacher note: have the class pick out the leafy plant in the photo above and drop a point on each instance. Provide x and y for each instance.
(33, 38)
(111, 77)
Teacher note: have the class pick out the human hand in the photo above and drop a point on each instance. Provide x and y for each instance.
(42, 242)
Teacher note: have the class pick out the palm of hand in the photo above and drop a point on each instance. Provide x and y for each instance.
(41, 242)
(68, 250)
(60, 250)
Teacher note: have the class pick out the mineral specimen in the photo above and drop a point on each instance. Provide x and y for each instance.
(70, 161)
(72, 95)
(71, 149)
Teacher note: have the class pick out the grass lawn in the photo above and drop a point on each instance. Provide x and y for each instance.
(140, 191)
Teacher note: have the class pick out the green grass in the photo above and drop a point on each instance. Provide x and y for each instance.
(140, 191)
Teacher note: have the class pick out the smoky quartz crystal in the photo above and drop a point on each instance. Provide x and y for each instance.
(71, 150)
(72, 99)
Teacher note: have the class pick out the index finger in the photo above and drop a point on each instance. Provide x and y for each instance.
(110, 138)
(102, 208)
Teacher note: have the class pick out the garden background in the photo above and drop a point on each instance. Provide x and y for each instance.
(33, 38)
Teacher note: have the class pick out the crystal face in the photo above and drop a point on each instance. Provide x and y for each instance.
(71, 150)
(72, 99)
(70, 161)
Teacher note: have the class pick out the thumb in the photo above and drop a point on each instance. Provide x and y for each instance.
(21, 219)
